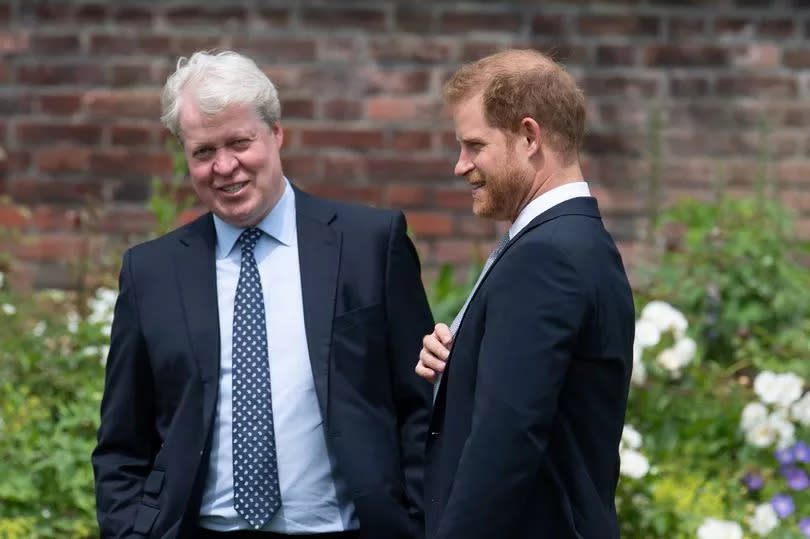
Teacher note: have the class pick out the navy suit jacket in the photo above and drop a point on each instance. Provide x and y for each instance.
(526, 426)
(365, 313)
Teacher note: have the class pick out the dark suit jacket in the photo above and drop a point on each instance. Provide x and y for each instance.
(365, 313)
(526, 426)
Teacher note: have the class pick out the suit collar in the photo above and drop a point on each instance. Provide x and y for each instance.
(546, 201)
(585, 206)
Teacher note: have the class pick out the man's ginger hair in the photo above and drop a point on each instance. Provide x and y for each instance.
(516, 84)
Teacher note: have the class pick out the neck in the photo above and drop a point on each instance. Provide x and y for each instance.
(546, 180)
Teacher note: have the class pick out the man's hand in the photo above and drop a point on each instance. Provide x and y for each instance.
(434, 354)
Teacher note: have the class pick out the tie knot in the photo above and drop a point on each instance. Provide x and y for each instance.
(248, 238)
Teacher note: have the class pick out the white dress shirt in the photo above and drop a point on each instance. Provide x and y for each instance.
(313, 498)
(546, 201)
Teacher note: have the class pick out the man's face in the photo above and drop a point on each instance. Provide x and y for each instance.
(233, 158)
(487, 160)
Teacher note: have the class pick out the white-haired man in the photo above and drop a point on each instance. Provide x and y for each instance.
(259, 381)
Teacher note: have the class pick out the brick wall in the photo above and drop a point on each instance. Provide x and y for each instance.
(360, 83)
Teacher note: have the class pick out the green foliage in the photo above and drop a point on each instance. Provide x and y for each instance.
(737, 273)
(168, 202)
(51, 378)
(446, 296)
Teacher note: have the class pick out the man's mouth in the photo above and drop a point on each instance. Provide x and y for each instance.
(233, 188)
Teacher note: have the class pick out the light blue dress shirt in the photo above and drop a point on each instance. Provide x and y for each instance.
(312, 496)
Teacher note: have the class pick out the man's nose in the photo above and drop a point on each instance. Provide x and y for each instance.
(224, 163)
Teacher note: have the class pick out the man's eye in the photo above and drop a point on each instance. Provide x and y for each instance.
(241, 144)
(203, 153)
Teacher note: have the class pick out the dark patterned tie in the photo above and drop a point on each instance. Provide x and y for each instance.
(255, 472)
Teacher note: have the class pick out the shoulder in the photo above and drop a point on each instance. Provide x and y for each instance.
(345, 214)
(202, 226)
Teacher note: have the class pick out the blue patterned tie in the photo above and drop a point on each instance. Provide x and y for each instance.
(255, 471)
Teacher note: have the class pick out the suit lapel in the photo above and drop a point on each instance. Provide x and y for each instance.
(319, 258)
(195, 266)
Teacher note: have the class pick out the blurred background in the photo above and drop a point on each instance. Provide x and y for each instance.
(697, 149)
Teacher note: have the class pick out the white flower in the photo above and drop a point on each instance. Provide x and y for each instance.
(647, 333)
(764, 520)
(670, 360)
(785, 430)
(761, 434)
(89, 351)
(800, 411)
(101, 306)
(633, 464)
(105, 351)
(753, 413)
(72, 320)
(790, 389)
(665, 317)
(9, 309)
(631, 438)
(685, 347)
(639, 374)
(713, 528)
(39, 329)
(766, 386)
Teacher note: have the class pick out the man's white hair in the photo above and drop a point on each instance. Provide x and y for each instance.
(216, 81)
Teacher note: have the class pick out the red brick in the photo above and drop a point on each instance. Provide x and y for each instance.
(274, 16)
(128, 44)
(619, 25)
(13, 216)
(464, 22)
(342, 109)
(686, 56)
(356, 194)
(411, 140)
(396, 81)
(124, 161)
(565, 54)
(63, 159)
(757, 86)
(63, 73)
(39, 134)
(13, 42)
(51, 247)
(185, 45)
(131, 74)
(621, 85)
(358, 18)
(429, 224)
(797, 58)
(405, 168)
(411, 17)
(454, 198)
(411, 48)
(405, 195)
(455, 251)
(404, 108)
(616, 55)
(777, 28)
(696, 114)
(301, 167)
(54, 44)
(687, 28)
(27, 190)
(3, 73)
(123, 103)
(793, 172)
(617, 143)
(59, 104)
(5, 13)
(127, 220)
(342, 167)
(614, 200)
(90, 13)
(133, 15)
(56, 218)
(340, 49)
(474, 50)
(281, 48)
(131, 135)
(16, 103)
(51, 12)
(474, 226)
(548, 25)
(342, 138)
(688, 86)
(622, 114)
(201, 14)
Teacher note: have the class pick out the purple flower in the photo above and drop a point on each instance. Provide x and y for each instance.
(782, 504)
(753, 481)
(801, 452)
(796, 478)
(804, 526)
(784, 456)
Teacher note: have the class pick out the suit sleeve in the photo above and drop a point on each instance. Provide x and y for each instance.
(408, 320)
(126, 436)
(535, 307)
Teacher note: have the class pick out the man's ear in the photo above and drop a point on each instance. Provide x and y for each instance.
(532, 134)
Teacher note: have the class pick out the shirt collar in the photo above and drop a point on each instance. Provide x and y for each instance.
(278, 224)
(546, 201)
